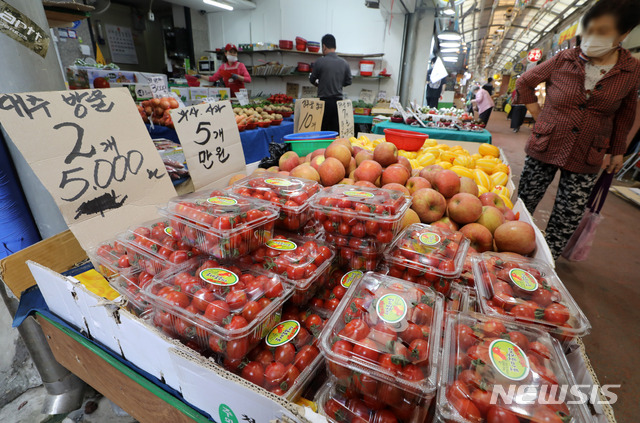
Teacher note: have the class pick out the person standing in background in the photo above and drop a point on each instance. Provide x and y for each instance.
(434, 89)
(484, 102)
(592, 94)
(330, 73)
(233, 73)
(488, 87)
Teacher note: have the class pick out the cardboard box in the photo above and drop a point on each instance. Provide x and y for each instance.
(182, 92)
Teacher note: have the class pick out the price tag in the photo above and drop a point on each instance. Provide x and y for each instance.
(243, 96)
(159, 86)
(382, 95)
(91, 151)
(292, 89)
(210, 100)
(367, 96)
(309, 92)
(308, 115)
(211, 143)
(345, 118)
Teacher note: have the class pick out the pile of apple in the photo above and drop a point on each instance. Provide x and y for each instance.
(440, 196)
(156, 110)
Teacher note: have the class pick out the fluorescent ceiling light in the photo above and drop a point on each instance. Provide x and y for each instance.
(450, 44)
(450, 50)
(218, 4)
(449, 36)
(449, 11)
(450, 58)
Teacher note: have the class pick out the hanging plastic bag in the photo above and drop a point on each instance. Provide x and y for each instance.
(579, 245)
(276, 149)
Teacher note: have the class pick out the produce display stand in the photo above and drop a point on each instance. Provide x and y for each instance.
(445, 134)
(363, 119)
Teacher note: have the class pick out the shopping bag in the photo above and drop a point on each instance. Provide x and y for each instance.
(579, 244)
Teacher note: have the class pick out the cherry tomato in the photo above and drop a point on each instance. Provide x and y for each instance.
(264, 357)
(285, 353)
(237, 299)
(467, 409)
(493, 328)
(540, 349)
(274, 374)
(217, 311)
(419, 351)
(497, 414)
(411, 333)
(305, 356)
(253, 372)
(556, 313)
(237, 349)
(466, 337)
(543, 296)
(123, 261)
(482, 400)
(179, 299)
(355, 330)
(273, 288)
(366, 349)
(470, 378)
(251, 310)
(519, 339)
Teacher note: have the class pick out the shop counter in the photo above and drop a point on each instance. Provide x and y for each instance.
(443, 134)
(363, 119)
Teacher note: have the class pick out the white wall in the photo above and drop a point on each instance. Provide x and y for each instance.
(357, 30)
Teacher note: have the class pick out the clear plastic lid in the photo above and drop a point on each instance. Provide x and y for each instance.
(372, 204)
(288, 357)
(284, 191)
(527, 290)
(483, 357)
(361, 244)
(155, 240)
(453, 302)
(329, 295)
(111, 258)
(222, 213)
(218, 298)
(297, 260)
(425, 248)
(388, 329)
(467, 277)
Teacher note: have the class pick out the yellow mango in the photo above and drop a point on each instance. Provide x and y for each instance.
(489, 150)
(430, 143)
(435, 151)
(499, 178)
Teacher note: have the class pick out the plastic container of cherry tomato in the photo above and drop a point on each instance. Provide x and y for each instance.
(224, 225)
(339, 405)
(360, 212)
(454, 301)
(482, 356)
(111, 258)
(288, 358)
(304, 263)
(312, 229)
(218, 307)
(437, 283)
(290, 194)
(329, 295)
(131, 286)
(467, 277)
(365, 258)
(428, 249)
(529, 291)
(155, 245)
(383, 341)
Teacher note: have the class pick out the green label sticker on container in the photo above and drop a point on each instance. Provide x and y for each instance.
(356, 193)
(429, 238)
(226, 414)
(168, 230)
(391, 308)
(350, 277)
(509, 359)
(279, 182)
(523, 279)
(281, 244)
(284, 332)
(218, 276)
(222, 201)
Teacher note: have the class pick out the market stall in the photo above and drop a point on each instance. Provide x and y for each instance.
(482, 136)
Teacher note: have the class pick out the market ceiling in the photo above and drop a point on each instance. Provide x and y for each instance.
(498, 32)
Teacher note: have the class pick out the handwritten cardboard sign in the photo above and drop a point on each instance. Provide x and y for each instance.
(345, 118)
(243, 96)
(211, 143)
(91, 151)
(308, 115)
(382, 95)
(367, 96)
(158, 85)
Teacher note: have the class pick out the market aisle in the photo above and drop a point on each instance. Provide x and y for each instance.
(605, 286)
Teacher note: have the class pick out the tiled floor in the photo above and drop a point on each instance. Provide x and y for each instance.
(606, 286)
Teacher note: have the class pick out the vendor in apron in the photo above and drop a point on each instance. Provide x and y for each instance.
(233, 73)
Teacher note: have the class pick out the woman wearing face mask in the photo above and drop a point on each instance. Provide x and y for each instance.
(233, 73)
(592, 92)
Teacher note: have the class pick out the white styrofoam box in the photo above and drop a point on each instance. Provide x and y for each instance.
(542, 249)
(198, 93)
(201, 382)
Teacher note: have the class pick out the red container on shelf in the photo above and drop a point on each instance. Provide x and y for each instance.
(304, 67)
(217, 307)
(286, 44)
(405, 140)
(313, 49)
(304, 263)
(383, 342)
(290, 194)
(224, 225)
(366, 67)
(288, 358)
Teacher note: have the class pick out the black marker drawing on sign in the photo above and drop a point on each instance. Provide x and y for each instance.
(201, 129)
(17, 103)
(153, 174)
(248, 419)
(107, 201)
(67, 180)
(204, 157)
(75, 152)
(220, 154)
(215, 108)
(96, 99)
(184, 115)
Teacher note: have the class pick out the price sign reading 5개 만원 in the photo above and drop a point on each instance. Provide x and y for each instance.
(308, 115)
(211, 143)
(91, 151)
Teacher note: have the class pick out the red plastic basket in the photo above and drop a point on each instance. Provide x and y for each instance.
(405, 140)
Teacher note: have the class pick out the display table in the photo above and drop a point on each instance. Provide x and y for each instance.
(363, 119)
(443, 134)
(255, 142)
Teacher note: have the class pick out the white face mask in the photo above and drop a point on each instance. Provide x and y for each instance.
(232, 59)
(596, 45)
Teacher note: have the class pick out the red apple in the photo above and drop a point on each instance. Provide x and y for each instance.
(447, 183)
(386, 154)
(362, 156)
(468, 185)
(365, 184)
(305, 171)
(340, 152)
(429, 204)
(396, 187)
(288, 161)
(316, 162)
(480, 237)
(405, 162)
(331, 172)
(416, 182)
(396, 173)
(429, 172)
(368, 170)
(491, 218)
(446, 223)
(464, 208)
(492, 199)
(516, 237)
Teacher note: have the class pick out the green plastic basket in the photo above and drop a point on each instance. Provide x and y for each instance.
(305, 147)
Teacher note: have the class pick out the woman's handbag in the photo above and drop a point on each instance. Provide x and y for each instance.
(579, 245)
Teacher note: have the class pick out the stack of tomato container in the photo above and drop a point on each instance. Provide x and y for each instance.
(382, 346)
(360, 222)
(329, 295)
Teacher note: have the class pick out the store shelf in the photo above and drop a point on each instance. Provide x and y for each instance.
(306, 75)
(308, 53)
